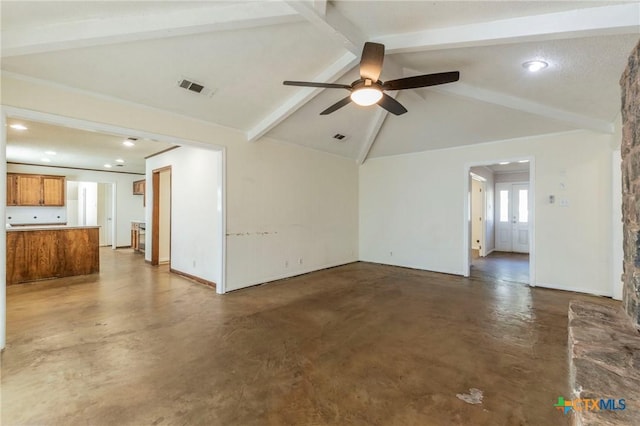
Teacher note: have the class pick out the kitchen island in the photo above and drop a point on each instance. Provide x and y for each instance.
(42, 252)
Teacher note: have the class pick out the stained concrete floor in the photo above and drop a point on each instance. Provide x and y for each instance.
(504, 266)
(359, 344)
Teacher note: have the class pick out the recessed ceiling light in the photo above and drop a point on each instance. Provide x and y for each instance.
(535, 66)
(45, 160)
(119, 160)
(50, 152)
(108, 166)
(128, 143)
(523, 161)
(18, 127)
(504, 163)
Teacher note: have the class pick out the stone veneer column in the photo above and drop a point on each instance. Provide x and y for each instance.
(630, 84)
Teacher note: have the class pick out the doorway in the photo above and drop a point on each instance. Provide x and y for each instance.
(161, 216)
(91, 204)
(512, 217)
(477, 214)
(498, 243)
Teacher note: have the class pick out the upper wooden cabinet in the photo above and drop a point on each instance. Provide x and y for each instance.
(12, 189)
(35, 190)
(53, 190)
(139, 187)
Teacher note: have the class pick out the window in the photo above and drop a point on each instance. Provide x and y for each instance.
(523, 206)
(504, 205)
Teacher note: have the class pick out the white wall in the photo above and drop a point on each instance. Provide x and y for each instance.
(413, 206)
(72, 203)
(128, 206)
(194, 210)
(511, 177)
(283, 202)
(88, 203)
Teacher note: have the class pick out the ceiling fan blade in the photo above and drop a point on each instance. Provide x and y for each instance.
(422, 81)
(336, 106)
(391, 105)
(371, 61)
(312, 84)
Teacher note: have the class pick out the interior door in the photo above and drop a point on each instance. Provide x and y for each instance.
(105, 208)
(520, 217)
(512, 217)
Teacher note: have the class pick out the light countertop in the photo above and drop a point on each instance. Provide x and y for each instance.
(47, 228)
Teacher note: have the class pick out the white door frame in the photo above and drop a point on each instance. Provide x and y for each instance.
(26, 114)
(483, 230)
(466, 231)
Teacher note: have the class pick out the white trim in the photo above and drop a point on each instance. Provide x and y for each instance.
(221, 287)
(3, 234)
(575, 289)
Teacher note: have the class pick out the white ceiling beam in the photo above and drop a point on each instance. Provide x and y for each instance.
(577, 120)
(338, 28)
(320, 6)
(589, 22)
(302, 96)
(119, 29)
(333, 24)
(372, 134)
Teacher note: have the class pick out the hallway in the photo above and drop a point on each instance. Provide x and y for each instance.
(503, 266)
(357, 344)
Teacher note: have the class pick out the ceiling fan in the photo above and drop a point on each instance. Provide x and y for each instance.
(368, 90)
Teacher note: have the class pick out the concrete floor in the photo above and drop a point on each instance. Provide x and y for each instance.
(358, 344)
(501, 266)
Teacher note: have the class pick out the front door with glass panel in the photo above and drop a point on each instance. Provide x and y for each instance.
(512, 221)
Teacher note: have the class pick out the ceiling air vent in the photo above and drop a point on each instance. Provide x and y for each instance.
(192, 86)
(339, 136)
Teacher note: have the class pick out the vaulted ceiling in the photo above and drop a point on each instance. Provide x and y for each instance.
(242, 51)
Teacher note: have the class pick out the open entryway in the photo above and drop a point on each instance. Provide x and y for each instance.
(92, 204)
(500, 221)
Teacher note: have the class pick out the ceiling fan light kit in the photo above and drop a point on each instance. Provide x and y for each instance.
(369, 90)
(366, 96)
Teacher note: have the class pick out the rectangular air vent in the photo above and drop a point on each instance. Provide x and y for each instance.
(192, 86)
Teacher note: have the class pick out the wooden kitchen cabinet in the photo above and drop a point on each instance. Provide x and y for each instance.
(139, 187)
(12, 190)
(35, 190)
(53, 191)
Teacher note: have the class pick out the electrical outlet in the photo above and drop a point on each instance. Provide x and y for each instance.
(194, 263)
(299, 261)
(286, 263)
(390, 253)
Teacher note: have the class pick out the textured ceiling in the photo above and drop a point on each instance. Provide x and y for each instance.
(242, 51)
